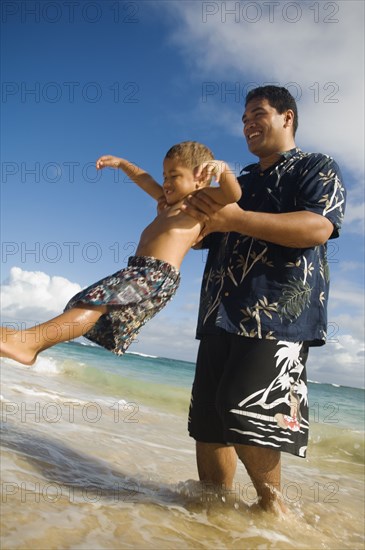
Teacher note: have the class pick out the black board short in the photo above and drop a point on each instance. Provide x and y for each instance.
(250, 391)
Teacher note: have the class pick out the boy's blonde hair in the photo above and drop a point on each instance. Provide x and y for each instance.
(190, 153)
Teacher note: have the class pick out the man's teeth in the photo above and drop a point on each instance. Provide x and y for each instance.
(253, 135)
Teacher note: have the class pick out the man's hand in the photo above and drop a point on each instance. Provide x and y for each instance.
(213, 216)
(161, 204)
(300, 229)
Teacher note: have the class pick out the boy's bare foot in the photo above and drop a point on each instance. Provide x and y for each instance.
(14, 345)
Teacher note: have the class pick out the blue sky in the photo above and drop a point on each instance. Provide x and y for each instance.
(82, 79)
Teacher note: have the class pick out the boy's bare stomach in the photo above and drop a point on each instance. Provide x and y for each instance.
(167, 240)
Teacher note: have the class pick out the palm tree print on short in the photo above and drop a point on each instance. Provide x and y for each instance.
(259, 407)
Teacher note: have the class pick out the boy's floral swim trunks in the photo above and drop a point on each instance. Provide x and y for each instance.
(133, 295)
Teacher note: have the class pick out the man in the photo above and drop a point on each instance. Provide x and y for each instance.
(263, 301)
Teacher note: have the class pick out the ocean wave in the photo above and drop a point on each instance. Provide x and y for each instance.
(100, 379)
(142, 354)
(336, 443)
(89, 344)
(47, 365)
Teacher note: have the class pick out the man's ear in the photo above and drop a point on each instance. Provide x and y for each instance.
(289, 118)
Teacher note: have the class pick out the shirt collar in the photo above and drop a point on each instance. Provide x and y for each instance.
(283, 155)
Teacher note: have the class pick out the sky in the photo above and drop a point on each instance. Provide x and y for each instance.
(87, 78)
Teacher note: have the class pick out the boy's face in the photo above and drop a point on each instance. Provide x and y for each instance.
(178, 180)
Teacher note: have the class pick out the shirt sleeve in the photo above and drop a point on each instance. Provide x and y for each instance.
(321, 190)
(210, 240)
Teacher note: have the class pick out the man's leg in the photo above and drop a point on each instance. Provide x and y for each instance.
(249, 398)
(221, 380)
(264, 468)
(216, 463)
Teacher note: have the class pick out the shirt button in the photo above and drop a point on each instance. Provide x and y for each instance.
(226, 293)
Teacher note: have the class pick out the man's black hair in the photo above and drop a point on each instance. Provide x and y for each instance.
(278, 97)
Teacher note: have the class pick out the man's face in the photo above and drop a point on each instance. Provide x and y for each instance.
(264, 128)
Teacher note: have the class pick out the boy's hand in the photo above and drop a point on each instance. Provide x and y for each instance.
(211, 168)
(108, 160)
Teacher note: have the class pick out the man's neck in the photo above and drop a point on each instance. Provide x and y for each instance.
(266, 162)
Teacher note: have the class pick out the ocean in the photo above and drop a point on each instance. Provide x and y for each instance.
(95, 455)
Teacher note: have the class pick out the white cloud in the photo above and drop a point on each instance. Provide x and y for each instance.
(34, 295)
(353, 296)
(319, 58)
(307, 54)
(354, 218)
(346, 313)
(352, 265)
(341, 361)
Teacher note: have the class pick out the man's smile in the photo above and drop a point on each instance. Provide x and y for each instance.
(252, 135)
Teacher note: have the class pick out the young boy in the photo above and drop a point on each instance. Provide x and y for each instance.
(112, 311)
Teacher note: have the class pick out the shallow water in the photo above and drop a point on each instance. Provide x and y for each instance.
(93, 462)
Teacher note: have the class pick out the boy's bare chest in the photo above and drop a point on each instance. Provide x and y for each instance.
(173, 217)
(168, 221)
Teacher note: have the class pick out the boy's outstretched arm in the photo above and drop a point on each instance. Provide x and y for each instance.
(229, 189)
(136, 174)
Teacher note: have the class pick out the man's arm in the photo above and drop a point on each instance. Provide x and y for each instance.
(136, 174)
(301, 229)
(229, 189)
